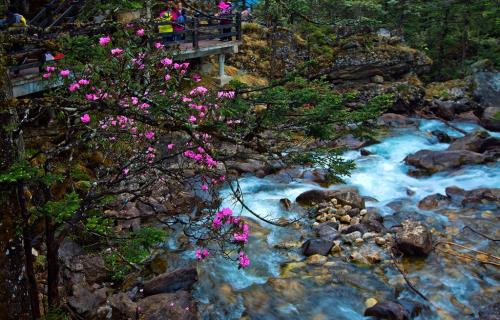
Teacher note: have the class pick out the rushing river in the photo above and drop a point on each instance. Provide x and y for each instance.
(279, 285)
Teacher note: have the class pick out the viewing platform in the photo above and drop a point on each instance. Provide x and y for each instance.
(202, 37)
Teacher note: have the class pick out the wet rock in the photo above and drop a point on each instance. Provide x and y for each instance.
(353, 212)
(365, 152)
(122, 307)
(355, 227)
(286, 203)
(351, 237)
(468, 117)
(345, 219)
(395, 120)
(444, 109)
(316, 246)
(287, 245)
(353, 143)
(348, 196)
(327, 232)
(413, 239)
(388, 310)
(477, 141)
(433, 201)
(359, 241)
(441, 136)
(491, 118)
(429, 162)
(181, 279)
(171, 306)
(316, 259)
(490, 312)
(370, 302)
(475, 196)
(380, 241)
(373, 257)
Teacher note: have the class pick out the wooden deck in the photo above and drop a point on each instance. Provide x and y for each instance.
(29, 81)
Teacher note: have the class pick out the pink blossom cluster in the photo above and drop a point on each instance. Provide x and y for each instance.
(201, 254)
(244, 261)
(226, 94)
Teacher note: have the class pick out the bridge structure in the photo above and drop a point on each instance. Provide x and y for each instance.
(203, 36)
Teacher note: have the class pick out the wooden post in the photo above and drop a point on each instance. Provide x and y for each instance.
(222, 59)
(196, 33)
(238, 26)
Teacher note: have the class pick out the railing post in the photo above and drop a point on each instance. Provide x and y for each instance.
(195, 33)
(238, 26)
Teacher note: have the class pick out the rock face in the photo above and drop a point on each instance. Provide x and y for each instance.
(348, 196)
(316, 246)
(355, 61)
(181, 279)
(413, 239)
(171, 306)
(429, 162)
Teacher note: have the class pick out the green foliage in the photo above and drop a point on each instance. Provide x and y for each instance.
(19, 171)
(132, 251)
(56, 314)
(328, 159)
(62, 209)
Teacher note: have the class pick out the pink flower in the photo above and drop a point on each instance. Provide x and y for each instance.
(199, 90)
(83, 82)
(73, 87)
(201, 254)
(166, 62)
(150, 135)
(65, 73)
(204, 187)
(104, 40)
(140, 32)
(168, 77)
(222, 178)
(91, 97)
(85, 118)
(50, 69)
(125, 171)
(170, 146)
(158, 45)
(192, 119)
(135, 100)
(196, 78)
(46, 75)
(116, 51)
(244, 261)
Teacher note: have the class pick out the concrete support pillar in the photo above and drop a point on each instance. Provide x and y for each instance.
(222, 59)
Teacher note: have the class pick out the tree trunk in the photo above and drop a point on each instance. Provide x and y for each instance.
(52, 263)
(14, 298)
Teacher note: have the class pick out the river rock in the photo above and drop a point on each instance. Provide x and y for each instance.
(316, 246)
(171, 306)
(433, 201)
(477, 141)
(469, 116)
(316, 259)
(347, 196)
(491, 118)
(370, 302)
(429, 162)
(394, 120)
(389, 310)
(181, 279)
(351, 237)
(286, 203)
(441, 136)
(327, 232)
(380, 241)
(473, 196)
(352, 143)
(490, 312)
(413, 239)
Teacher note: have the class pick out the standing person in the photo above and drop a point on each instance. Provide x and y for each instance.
(180, 20)
(13, 19)
(168, 16)
(226, 9)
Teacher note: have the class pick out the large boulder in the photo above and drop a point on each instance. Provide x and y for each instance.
(85, 300)
(347, 196)
(181, 279)
(122, 307)
(491, 118)
(171, 306)
(429, 162)
(316, 246)
(475, 196)
(477, 141)
(328, 231)
(413, 239)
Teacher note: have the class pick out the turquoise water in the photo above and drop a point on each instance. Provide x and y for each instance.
(338, 291)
